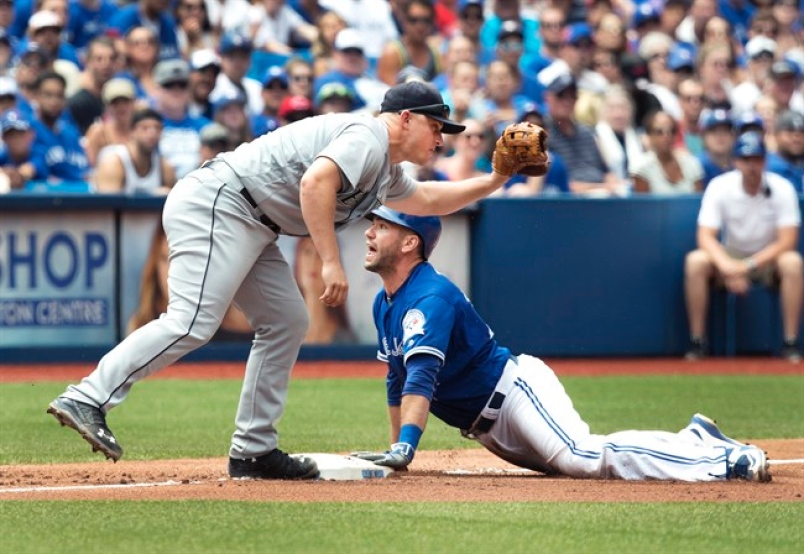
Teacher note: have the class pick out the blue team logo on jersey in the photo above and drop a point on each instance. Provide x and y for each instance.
(412, 324)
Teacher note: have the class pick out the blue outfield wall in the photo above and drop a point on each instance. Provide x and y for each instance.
(552, 276)
(580, 277)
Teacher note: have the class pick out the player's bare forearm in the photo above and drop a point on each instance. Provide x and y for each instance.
(393, 419)
(414, 410)
(446, 197)
(317, 199)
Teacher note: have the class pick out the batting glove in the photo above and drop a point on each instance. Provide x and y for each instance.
(399, 457)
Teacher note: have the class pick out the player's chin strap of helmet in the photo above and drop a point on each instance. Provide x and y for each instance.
(488, 415)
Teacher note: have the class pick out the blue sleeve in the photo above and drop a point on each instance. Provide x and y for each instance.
(124, 19)
(557, 175)
(427, 328)
(38, 153)
(422, 372)
(393, 386)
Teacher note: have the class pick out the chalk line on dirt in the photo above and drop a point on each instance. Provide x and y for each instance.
(98, 487)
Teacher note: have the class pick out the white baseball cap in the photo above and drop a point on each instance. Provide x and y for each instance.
(201, 59)
(44, 19)
(349, 39)
(759, 45)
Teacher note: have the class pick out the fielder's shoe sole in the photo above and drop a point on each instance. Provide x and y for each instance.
(274, 465)
(90, 423)
(748, 463)
(708, 431)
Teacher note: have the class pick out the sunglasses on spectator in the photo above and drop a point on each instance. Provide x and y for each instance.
(470, 136)
(420, 20)
(553, 24)
(308, 78)
(510, 45)
(142, 41)
(176, 85)
(663, 131)
(472, 16)
(692, 97)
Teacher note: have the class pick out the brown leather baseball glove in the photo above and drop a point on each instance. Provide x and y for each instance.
(521, 149)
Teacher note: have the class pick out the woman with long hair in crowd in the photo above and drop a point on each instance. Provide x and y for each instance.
(142, 54)
(468, 149)
(194, 30)
(329, 25)
(665, 169)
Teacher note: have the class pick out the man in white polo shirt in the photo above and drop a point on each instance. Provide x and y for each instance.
(759, 217)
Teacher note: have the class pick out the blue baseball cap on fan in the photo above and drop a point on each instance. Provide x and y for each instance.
(681, 56)
(273, 74)
(713, 118)
(748, 121)
(235, 42)
(14, 120)
(645, 13)
(749, 145)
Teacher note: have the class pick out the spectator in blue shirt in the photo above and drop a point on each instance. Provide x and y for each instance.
(30, 64)
(17, 162)
(274, 89)
(45, 29)
(58, 140)
(89, 19)
(6, 47)
(154, 14)
(505, 10)
(181, 135)
(718, 135)
(350, 64)
(22, 11)
(788, 160)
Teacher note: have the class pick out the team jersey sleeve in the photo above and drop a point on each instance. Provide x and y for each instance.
(357, 153)
(427, 327)
(393, 386)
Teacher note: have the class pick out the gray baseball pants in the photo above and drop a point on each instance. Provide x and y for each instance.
(219, 253)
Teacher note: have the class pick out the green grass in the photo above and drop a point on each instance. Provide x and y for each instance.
(243, 527)
(165, 419)
(178, 419)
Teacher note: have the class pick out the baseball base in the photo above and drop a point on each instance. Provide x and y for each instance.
(339, 467)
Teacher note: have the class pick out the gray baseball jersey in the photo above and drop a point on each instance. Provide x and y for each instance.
(223, 251)
(271, 167)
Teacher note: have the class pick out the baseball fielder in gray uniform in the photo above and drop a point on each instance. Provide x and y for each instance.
(222, 220)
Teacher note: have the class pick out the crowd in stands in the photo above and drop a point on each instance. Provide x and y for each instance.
(639, 96)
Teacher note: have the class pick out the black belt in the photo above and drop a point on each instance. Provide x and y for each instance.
(482, 423)
(267, 221)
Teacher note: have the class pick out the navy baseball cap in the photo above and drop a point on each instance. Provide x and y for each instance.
(749, 145)
(510, 28)
(423, 98)
(645, 13)
(713, 118)
(428, 227)
(235, 42)
(747, 121)
(14, 120)
(275, 73)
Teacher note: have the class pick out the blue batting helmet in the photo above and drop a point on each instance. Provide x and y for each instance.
(428, 228)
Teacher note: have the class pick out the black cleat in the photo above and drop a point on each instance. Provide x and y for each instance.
(697, 350)
(90, 423)
(274, 465)
(790, 352)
